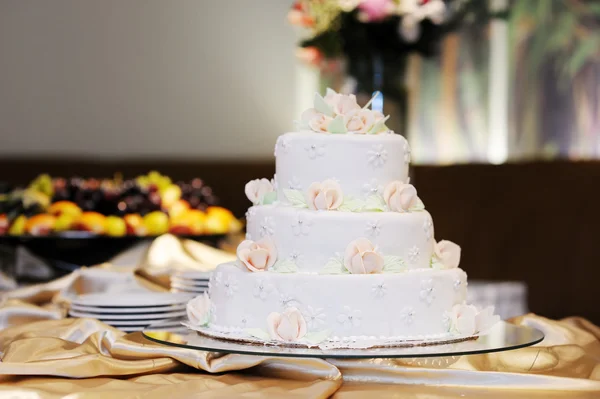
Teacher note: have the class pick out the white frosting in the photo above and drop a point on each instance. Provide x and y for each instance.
(358, 162)
(410, 305)
(312, 238)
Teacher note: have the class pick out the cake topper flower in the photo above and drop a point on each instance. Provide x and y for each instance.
(338, 113)
(259, 255)
(287, 326)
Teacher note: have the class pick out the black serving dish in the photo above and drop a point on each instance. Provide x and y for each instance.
(69, 251)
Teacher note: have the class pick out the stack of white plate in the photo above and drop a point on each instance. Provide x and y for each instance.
(131, 312)
(190, 282)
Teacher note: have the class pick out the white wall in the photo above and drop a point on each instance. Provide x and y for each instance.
(134, 78)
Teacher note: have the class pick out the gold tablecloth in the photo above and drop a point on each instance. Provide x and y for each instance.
(46, 355)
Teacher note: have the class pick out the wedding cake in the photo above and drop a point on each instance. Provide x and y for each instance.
(340, 250)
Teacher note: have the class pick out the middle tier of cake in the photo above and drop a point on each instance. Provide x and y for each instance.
(310, 239)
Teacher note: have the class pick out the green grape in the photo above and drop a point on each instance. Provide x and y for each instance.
(163, 182)
(142, 181)
(43, 184)
(154, 176)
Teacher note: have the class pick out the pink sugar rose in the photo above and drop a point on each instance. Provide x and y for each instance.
(447, 253)
(342, 104)
(324, 196)
(289, 326)
(361, 257)
(256, 189)
(198, 310)
(361, 121)
(320, 123)
(317, 121)
(469, 320)
(463, 319)
(400, 197)
(486, 319)
(257, 256)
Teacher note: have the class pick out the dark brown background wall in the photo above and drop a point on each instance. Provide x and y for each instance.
(533, 222)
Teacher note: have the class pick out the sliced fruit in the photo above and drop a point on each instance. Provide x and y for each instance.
(115, 226)
(65, 222)
(40, 225)
(135, 224)
(191, 221)
(220, 212)
(156, 223)
(219, 220)
(17, 227)
(3, 224)
(64, 208)
(235, 226)
(91, 221)
(197, 221)
(180, 230)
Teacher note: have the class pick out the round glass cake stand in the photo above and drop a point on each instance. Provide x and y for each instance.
(502, 337)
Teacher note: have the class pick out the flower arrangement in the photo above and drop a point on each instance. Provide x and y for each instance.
(370, 40)
(349, 27)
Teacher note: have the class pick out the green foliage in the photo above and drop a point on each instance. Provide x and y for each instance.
(561, 32)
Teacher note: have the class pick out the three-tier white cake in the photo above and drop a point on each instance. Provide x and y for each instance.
(340, 250)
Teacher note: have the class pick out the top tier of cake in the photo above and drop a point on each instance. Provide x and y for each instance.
(362, 164)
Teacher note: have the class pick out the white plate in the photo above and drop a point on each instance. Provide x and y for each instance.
(152, 316)
(130, 329)
(179, 285)
(190, 283)
(187, 291)
(187, 281)
(146, 299)
(143, 326)
(134, 329)
(137, 323)
(132, 310)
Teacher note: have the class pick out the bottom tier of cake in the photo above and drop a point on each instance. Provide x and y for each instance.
(414, 305)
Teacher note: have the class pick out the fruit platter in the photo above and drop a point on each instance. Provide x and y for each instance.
(79, 221)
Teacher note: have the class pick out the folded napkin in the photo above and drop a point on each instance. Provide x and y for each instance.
(168, 254)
